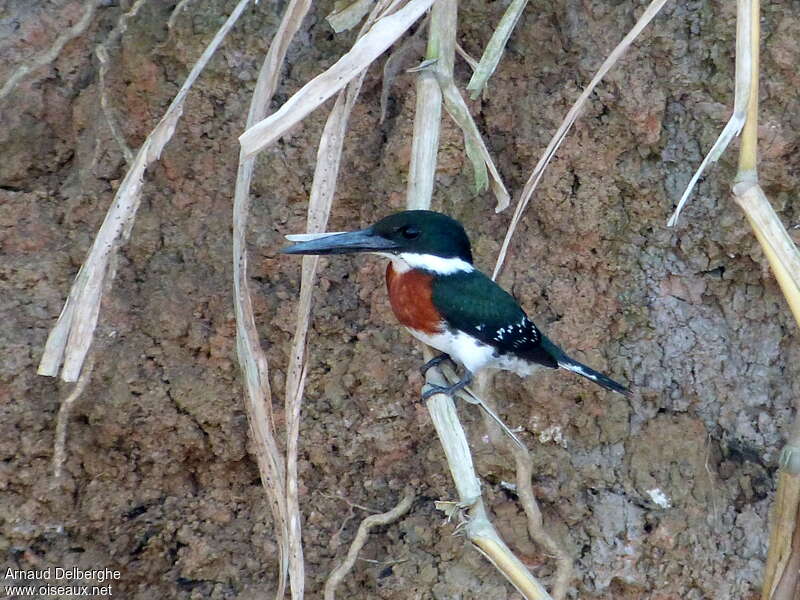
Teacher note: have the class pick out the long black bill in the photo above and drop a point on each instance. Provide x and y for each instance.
(364, 240)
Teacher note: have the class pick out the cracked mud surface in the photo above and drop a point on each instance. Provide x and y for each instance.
(663, 496)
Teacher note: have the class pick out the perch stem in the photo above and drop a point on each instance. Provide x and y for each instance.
(783, 559)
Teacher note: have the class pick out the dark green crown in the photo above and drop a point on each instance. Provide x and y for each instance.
(425, 232)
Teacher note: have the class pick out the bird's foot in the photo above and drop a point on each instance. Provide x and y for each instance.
(449, 390)
(434, 362)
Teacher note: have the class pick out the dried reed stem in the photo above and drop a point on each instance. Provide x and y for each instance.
(341, 571)
(320, 202)
(252, 360)
(69, 341)
(533, 181)
(366, 49)
(781, 579)
(745, 62)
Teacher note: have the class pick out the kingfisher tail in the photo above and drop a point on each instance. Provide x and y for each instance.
(565, 362)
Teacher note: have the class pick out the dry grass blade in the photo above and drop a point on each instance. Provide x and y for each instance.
(494, 49)
(341, 571)
(50, 55)
(473, 142)
(253, 362)
(70, 339)
(320, 202)
(744, 62)
(530, 186)
(366, 49)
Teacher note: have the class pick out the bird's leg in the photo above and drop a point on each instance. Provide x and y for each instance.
(450, 389)
(434, 362)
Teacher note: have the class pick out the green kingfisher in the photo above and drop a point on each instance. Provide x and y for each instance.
(441, 298)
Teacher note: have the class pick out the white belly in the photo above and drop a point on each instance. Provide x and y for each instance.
(472, 353)
(461, 347)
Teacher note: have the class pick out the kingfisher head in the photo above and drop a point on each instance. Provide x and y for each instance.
(419, 238)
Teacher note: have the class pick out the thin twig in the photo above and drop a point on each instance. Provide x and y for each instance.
(340, 572)
(176, 12)
(566, 125)
(473, 64)
(478, 528)
(527, 498)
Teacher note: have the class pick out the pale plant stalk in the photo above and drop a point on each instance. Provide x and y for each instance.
(367, 48)
(742, 99)
(70, 339)
(320, 202)
(425, 141)
(252, 360)
(781, 578)
(555, 142)
(478, 528)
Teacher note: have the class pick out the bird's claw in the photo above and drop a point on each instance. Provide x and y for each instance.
(439, 389)
(434, 362)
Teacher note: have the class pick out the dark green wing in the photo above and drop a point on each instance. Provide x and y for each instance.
(473, 303)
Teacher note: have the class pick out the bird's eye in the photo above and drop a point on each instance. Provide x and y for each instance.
(409, 232)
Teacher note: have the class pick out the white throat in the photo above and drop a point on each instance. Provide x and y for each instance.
(405, 261)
